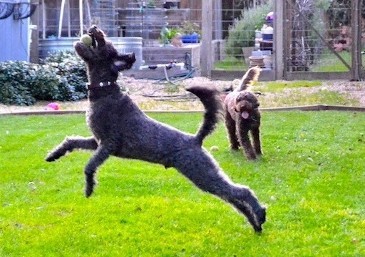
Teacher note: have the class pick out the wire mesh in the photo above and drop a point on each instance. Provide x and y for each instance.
(319, 38)
(317, 34)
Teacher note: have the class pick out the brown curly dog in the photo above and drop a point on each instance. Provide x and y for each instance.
(242, 116)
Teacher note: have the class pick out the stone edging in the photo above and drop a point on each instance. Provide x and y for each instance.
(299, 108)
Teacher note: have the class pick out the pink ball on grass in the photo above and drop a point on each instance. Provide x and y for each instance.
(53, 106)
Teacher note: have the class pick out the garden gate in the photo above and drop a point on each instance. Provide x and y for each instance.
(320, 43)
(312, 40)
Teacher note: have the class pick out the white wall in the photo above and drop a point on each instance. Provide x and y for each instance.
(14, 42)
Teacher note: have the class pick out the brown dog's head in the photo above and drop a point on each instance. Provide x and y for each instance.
(246, 104)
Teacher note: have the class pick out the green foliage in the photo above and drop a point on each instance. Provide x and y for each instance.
(167, 34)
(61, 77)
(242, 33)
(186, 28)
(328, 62)
(300, 93)
(44, 85)
(311, 177)
(189, 27)
(69, 66)
(277, 86)
(231, 63)
(339, 13)
(15, 80)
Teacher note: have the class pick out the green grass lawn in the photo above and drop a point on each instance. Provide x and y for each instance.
(311, 177)
(231, 64)
(329, 62)
(300, 92)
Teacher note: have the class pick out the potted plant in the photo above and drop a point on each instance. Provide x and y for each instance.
(167, 34)
(190, 32)
(151, 4)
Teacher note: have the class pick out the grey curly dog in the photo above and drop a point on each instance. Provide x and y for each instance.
(121, 129)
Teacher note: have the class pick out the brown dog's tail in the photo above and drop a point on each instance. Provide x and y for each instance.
(250, 76)
(213, 109)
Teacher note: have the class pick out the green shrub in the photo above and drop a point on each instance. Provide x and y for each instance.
(242, 33)
(72, 68)
(45, 85)
(60, 77)
(14, 83)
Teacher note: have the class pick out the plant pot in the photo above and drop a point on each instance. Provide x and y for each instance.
(190, 38)
(247, 52)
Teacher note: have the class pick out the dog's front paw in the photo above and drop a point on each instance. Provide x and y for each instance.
(51, 157)
(261, 218)
(252, 158)
(89, 190)
(89, 187)
(234, 147)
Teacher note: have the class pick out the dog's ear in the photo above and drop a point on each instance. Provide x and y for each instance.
(118, 65)
(123, 61)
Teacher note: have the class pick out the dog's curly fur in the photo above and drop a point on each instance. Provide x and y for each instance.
(121, 129)
(242, 116)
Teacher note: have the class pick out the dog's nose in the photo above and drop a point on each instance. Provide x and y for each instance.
(93, 28)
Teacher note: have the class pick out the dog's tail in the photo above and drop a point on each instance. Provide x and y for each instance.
(250, 76)
(213, 109)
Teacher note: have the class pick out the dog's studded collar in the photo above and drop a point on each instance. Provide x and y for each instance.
(101, 84)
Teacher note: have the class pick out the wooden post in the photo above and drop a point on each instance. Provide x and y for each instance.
(279, 58)
(44, 18)
(61, 18)
(206, 56)
(68, 19)
(81, 11)
(356, 40)
(217, 16)
(34, 38)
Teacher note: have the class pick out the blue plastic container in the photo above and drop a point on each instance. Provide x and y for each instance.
(190, 38)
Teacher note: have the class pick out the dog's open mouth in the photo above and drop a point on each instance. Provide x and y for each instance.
(95, 42)
(245, 115)
(95, 33)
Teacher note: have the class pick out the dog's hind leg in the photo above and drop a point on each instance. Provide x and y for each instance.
(101, 154)
(69, 144)
(200, 168)
(246, 203)
(255, 132)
